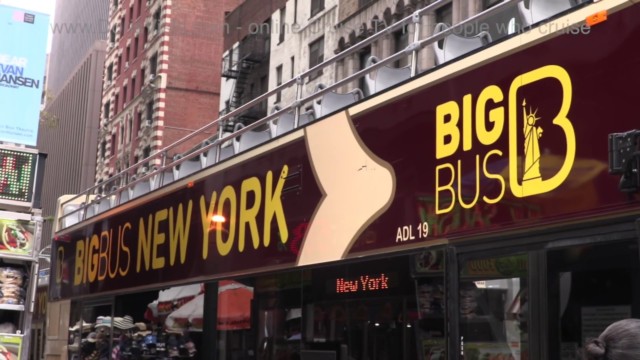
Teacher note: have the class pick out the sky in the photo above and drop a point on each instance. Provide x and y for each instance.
(43, 6)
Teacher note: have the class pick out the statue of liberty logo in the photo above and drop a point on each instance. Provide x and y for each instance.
(531, 146)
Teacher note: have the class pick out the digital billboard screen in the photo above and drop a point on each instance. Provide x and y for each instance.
(22, 66)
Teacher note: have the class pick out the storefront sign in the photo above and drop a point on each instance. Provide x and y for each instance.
(513, 145)
(10, 346)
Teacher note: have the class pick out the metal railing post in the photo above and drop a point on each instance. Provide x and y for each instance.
(296, 106)
(416, 40)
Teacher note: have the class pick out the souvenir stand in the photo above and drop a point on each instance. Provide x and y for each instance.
(20, 233)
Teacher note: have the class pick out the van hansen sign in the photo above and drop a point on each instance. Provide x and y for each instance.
(22, 66)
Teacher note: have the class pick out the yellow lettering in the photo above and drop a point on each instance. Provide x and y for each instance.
(103, 257)
(179, 232)
(493, 176)
(273, 206)
(467, 122)
(227, 195)
(144, 243)
(157, 261)
(114, 253)
(94, 246)
(79, 263)
(496, 115)
(207, 220)
(447, 187)
(447, 116)
(248, 215)
(125, 249)
(477, 184)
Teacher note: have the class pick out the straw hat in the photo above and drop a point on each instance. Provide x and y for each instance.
(123, 323)
(103, 321)
(142, 329)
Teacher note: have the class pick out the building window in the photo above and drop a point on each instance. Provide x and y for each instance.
(150, 112)
(128, 56)
(293, 67)
(130, 129)
(133, 88)
(156, 21)
(115, 4)
(112, 35)
(120, 64)
(116, 103)
(139, 8)
(363, 3)
(278, 82)
(363, 56)
(130, 16)
(103, 149)
(146, 34)
(121, 134)
(110, 72)
(135, 47)
(113, 146)
(444, 14)
(316, 56)
(139, 120)
(295, 11)
(153, 64)
(142, 78)
(146, 152)
(122, 26)
(124, 96)
(283, 28)
(316, 7)
(107, 110)
(400, 42)
(490, 3)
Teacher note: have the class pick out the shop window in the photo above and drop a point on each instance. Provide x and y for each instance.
(493, 307)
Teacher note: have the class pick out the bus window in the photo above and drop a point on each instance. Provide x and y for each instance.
(493, 306)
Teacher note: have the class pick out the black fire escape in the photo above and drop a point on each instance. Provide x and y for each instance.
(247, 67)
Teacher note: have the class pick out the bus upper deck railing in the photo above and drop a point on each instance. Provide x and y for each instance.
(140, 178)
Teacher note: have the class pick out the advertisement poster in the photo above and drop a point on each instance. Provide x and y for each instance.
(22, 66)
(10, 346)
(16, 236)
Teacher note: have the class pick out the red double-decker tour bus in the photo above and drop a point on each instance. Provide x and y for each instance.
(484, 208)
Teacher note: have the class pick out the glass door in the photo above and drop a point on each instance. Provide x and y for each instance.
(493, 316)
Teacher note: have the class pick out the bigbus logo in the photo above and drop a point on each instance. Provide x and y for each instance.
(467, 133)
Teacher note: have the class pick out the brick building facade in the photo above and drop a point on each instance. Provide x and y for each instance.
(161, 78)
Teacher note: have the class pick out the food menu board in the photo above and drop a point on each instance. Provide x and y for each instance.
(17, 237)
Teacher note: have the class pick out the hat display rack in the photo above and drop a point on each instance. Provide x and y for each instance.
(130, 340)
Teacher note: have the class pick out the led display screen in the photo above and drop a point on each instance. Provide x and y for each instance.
(17, 174)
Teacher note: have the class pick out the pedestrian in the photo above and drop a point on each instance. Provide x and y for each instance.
(619, 341)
